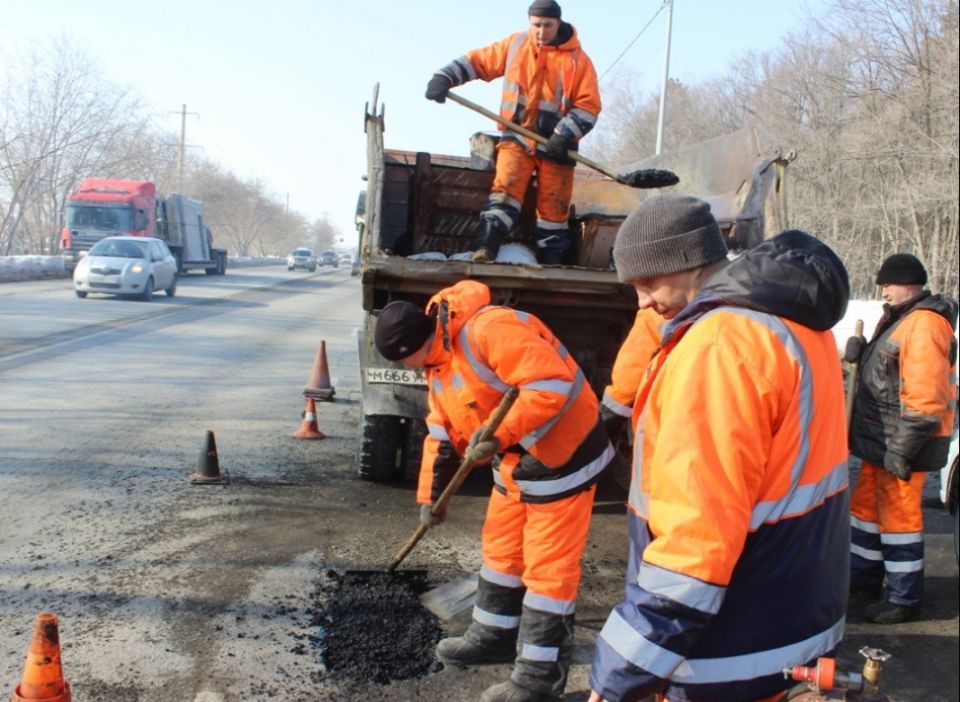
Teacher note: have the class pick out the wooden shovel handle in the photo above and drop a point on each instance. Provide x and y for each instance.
(523, 131)
(468, 460)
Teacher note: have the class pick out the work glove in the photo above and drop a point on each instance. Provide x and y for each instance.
(557, 147)
(854, 349)
(428, 519)
(485, 450)
(897, 465)
(438, 87)
(614, 423)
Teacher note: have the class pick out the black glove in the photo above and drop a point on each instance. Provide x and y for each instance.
(428, 519)
(482, 451)
(557, 147)
(438, 87)
(897, 465)
(614, 423)
(854, 349)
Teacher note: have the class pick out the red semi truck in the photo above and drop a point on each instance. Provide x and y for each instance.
(103, 207)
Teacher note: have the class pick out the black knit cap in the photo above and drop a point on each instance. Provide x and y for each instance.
(902, 269)
(544, 8)
(402, 328)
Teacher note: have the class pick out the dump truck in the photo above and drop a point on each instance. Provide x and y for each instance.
(420, 209)
(103, 207)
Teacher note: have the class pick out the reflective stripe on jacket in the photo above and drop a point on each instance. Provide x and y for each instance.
(906, 393)
(738, 513)
(545, 88)
(632, 360)
(548, 438)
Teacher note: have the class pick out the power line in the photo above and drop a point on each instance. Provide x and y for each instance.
(634, 41)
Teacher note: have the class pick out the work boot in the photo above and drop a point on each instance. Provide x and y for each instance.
(477, 648)
(509, 691)
(488, 243)
(890, 613)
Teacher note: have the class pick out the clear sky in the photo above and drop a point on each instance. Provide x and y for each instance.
(279, 87)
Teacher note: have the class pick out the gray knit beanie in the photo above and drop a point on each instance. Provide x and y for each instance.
(667, 234)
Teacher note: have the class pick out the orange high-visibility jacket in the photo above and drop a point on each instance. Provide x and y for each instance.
(906, 393)
(545, 88)
(632, 361)
(738, 509)
(479, 352)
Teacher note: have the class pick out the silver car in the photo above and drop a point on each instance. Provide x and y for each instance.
(126, 265)
(302, 258)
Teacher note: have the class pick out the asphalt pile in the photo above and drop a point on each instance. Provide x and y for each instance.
(373, 627)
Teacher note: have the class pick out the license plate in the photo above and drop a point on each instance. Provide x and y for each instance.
(399, 376)
(103, 279)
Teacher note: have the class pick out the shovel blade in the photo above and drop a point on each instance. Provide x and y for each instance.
(448, 600)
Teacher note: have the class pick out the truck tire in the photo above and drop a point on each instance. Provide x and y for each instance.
(380, 444)
(415, 431)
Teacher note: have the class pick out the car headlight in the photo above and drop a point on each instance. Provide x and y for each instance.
(136, 268)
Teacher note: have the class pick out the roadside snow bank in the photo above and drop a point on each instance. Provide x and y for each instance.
(30, 267)
(13, 268)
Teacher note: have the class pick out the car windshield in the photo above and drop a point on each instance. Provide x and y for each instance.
(100, 217)
(303, 252)
(117, 248)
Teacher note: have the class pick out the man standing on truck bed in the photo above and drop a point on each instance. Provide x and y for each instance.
(737, 515)
(550, 87)
(550, 450)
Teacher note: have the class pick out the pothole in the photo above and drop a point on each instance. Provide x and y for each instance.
(371, 625)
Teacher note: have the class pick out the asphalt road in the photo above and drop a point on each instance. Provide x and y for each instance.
(168, 591)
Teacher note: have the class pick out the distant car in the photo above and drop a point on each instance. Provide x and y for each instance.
(330, 258)
(126, 265)
(302, 258)
(345, 258)
(355, 266)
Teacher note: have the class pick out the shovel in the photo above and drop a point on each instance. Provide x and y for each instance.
(452, 597)
(644, 178)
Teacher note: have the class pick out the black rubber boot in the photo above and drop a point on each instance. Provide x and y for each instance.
(889, 613)
(509, 691)
(488, 243)
(479, 645)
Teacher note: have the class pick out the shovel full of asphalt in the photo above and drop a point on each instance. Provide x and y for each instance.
(373, 627)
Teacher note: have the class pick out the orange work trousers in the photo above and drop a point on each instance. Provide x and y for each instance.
(554, 181)
(541, 543)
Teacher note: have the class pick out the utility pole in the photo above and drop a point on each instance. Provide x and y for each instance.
(666, 78)
(183, 146)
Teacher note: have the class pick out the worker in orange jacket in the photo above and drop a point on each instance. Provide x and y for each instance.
(903, 415)
(547, 455)
(618, 397)
(737, 516)
(550, 87)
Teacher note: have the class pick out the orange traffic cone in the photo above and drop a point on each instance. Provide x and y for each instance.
(208, 465)
(43, 673)
(308, 427)
(318, 386)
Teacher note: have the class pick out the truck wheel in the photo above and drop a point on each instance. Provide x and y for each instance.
(414, 434)
(379, 447)
(80, 293)
(172, 290)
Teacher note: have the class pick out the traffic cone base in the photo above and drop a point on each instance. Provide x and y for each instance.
(318, 386)
(43, 673)
(308, 427)
(208, 465)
